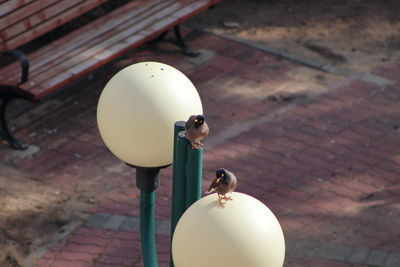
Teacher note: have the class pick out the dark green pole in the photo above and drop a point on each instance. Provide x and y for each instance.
(178, 176)
(147, 234)
(193, 175)
(147, 179)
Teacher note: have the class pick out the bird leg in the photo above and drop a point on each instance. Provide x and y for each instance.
(197, 144)
(220, 200)
(226, 198)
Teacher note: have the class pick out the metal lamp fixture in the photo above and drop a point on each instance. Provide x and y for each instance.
(136, 114)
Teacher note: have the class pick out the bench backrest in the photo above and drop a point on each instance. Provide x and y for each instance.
(24, 20)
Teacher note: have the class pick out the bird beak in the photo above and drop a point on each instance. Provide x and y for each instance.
(196, 120)
(219, 179)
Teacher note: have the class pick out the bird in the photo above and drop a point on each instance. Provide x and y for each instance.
(224, 183)
(196, 129)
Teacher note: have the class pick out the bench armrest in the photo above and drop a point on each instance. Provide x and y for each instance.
(23, 60)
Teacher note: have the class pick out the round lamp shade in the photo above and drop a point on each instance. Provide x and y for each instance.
(243, 233)
(138, 108)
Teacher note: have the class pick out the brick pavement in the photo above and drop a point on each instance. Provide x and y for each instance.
(323, 156)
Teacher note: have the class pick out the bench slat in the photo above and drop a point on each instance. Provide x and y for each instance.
(23, 12)
(41, 23)
(12, 5)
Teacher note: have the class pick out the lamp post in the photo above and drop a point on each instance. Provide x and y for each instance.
(136, 114)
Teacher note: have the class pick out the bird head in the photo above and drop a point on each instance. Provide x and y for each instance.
(221, 175)
(198, 121)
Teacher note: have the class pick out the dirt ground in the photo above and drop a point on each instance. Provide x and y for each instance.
(30, 214)
(350, 34)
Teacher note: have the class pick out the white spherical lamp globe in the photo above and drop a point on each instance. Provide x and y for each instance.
(243, 233)
(138, 108)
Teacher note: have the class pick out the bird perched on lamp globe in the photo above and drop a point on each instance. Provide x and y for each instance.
(196, 130)
(224, 183)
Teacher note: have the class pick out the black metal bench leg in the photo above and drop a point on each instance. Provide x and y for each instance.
(182, 44)
(5, 132)
(159, 38)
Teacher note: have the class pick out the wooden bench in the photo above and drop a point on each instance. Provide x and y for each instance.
(59, 62)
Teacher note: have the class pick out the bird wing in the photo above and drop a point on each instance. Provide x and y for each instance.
(215, 183)
(190, 122)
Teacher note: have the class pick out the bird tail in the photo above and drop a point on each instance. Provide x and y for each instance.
(210, 190)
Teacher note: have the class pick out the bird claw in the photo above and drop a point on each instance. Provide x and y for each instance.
(221, 204)
(197, 145)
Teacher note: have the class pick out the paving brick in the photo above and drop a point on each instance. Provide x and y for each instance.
(126, 251)
(290, 245)
(74, 148)
(358, 186)
(163, 227)
(126, 235)
(76, 256)
(98, 219)
(340, 191)
(359, 255)
(391, 72)
(71, 263)
(57, 247)
(305, 248)
(392, 260)
(131, 224)
(114, 222)
(123, 208)
(295, 261)
(102, 264)
(341, 253)
(93, 232)
(376, 257)
(90, 240)
(91, 249)
(43, 262)
(121, 261)
(324, 251)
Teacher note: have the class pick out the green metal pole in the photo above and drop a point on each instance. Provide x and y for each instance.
(193, 175)
(178, 176)
(178, 173)
(147, 179)
(147, 233)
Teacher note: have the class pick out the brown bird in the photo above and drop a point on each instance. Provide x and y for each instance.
(196, 130)
(225, 182)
